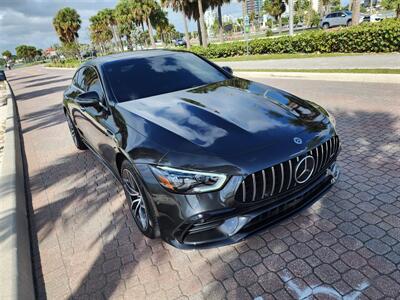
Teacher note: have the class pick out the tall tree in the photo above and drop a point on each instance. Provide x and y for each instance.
(392, 4)
(160, 21)
(144, 10)
(275, 8)
(218, 4)
(100, 32)
(67, 23)
(26, 52)
(202, 24)
(7, 54)
(107, 15)
(126, 21)
(179, 5)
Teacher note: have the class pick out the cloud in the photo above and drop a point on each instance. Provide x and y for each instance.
(30, 21)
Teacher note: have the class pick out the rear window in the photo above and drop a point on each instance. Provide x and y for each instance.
(142, 77)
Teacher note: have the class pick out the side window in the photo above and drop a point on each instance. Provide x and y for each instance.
(92, 82)
(329, 16)
(78, 78)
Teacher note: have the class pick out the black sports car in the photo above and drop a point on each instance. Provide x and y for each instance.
(205, 158)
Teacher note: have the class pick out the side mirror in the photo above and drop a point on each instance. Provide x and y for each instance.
(228, 69)
(88, 99)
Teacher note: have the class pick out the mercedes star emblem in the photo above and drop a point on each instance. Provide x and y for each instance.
(298, 140)
(304, 169)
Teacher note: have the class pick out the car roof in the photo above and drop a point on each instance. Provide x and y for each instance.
(99, 61)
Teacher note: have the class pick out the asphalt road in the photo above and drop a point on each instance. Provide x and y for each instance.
(345, 245)
(369, 61)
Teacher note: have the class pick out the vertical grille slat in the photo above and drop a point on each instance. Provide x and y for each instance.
(254, 187)
(273, 181)
(264, 184)
(290, 174)
(282, 178)
(244, 191)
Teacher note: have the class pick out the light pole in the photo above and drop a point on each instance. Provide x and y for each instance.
(291, 16)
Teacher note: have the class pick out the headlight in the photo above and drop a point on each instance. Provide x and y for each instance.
(332, 119)
(188, 182)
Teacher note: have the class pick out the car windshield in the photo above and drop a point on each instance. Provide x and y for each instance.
(141, 77)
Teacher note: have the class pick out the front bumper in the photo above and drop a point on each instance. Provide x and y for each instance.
(214, 219)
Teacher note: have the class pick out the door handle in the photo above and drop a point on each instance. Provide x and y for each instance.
(112, 135)
(109, 132)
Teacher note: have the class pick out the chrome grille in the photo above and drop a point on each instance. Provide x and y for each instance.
(279, 179)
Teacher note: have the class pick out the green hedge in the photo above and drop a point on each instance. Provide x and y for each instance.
(368, 37)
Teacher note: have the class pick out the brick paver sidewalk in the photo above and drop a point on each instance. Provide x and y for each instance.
(346, 244)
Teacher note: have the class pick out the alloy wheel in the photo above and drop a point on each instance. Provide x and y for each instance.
(137, 205)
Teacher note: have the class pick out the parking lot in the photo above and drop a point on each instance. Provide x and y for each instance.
(345, 245)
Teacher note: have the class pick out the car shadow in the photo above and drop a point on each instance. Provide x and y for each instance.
(38, 93)
(45, 81)
(302, 256)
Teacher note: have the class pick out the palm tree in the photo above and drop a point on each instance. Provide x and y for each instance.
(143, 12)
(107, 15)
(218, 4)
(67, 23)
(179, 5)
(193, 12)
(202, 24)
(100, 32)
(159, 20)
(126, 17)
(275, 8)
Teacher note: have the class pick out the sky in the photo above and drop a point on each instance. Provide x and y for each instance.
(30, 21)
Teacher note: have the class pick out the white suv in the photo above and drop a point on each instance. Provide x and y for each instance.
(339, 18)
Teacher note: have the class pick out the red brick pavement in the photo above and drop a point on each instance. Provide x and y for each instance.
(346, 244)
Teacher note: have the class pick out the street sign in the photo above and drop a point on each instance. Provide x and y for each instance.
(246, 20)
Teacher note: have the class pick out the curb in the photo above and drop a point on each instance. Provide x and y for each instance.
(16, 279)
(342, 77)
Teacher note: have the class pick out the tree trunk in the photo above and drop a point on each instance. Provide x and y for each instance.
(220, 28)
(202, 24)
(150, 27)
(199, 33)
(356, 12)
(186, 30)
(129, 42)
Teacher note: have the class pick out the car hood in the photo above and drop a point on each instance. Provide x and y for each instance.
(226, 119)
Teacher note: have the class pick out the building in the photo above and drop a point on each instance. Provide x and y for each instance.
(315, 5)
(252, 6)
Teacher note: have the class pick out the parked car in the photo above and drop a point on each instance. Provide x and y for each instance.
(180, 42)
(2, 76)
(373, 18)
(205, 158)
(89, 54)
(340, 18)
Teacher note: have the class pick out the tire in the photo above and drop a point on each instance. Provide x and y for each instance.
(349, 22)
(325, 26)
(76, 137)
(140, 206)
